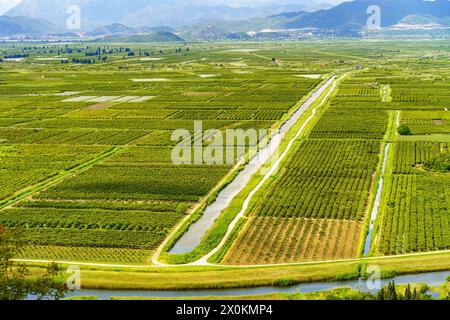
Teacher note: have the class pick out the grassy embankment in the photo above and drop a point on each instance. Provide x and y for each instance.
(217, 277)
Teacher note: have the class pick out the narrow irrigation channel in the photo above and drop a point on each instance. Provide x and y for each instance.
(376, 207)
(431, 279)
(193, 236)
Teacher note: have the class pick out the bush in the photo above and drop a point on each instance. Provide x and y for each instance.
(285, 283)
(440, 164)
(404, 130)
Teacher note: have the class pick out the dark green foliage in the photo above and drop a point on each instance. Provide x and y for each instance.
(91, 227)
(404, 130)
(440, 164)
(324, 179)
(351, 124)
(284, 283)
(392, 293)
(15, 282)
(416, 218)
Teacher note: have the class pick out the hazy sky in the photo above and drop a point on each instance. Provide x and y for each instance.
(5, 5)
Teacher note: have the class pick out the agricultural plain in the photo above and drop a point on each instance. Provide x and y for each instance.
(320, 205)
(86, 144)
(86, 138)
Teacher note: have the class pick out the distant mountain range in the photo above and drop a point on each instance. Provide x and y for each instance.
(119, 29)
(156, 36)
(346, 19)
(149, 13)
(26, 26)
(353, 15)
(150, 20)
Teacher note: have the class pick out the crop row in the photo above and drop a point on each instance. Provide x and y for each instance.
(62, 253)
(91, 227)
(280, 240)
(324, 179)
(25, 165)
(88, 219)
(359, 90)
(417, 215)
(351, 124)
(427, 122)
(238, 114)
(75, 137)
(411, 156)
(149, 206)
(140, 182)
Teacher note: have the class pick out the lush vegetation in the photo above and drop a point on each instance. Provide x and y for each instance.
(329, 180)
(416, 217)
(85, 147)
(324, 179)
(415, 214)
(316, 206)
(85, 151)
(15, 281)
(439, 164)
(351, 124)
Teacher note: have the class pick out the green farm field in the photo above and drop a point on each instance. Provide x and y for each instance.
(87, 170)
(56, 117)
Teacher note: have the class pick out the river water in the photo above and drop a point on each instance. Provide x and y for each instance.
(193, 236)
(432, 279)
(377, 203)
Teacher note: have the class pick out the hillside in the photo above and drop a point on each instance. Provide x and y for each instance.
(159, 36)
(348, 19)
(353, 15)
(115, 28)
(26, 26)
(139, 13)
(95, 13)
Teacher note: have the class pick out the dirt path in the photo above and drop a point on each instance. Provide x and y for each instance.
(86, 264)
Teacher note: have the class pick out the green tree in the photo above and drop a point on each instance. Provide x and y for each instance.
(392, 292)
(415, 295)
(408, 293)
(381, 294)
(404, 130)
(388, 293)
(16, 282)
